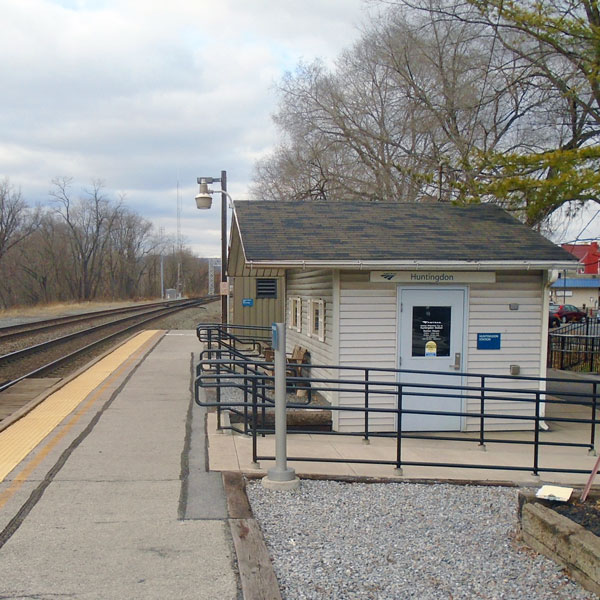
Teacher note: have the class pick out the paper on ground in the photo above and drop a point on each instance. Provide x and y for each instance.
(555, 493)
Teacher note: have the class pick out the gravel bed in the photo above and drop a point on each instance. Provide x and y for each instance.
(402, 540)
(38, 337)
(190, 318)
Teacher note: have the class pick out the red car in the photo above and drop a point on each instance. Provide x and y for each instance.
(564, 313)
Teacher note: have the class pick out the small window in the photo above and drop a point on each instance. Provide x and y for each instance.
(316, 319)
(295, 313)
(266, 288)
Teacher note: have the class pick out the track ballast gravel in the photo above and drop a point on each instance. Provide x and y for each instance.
(402, 540)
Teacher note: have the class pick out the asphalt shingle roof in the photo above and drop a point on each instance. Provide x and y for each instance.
(339, 231)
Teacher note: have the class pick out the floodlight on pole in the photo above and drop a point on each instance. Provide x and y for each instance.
(204, 198)
(204, 202)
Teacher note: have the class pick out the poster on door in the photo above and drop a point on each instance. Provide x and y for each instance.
(431, 331)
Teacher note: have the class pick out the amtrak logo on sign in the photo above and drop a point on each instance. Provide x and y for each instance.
(433, 277)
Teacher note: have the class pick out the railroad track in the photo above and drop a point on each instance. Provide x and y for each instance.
(14, 332)
(49, 357)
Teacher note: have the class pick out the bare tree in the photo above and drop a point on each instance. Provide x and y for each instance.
(89, 221)
(87, 246)
(131, 244)
(448, 100)
(399, 118)
(554, 154)
(16, 221)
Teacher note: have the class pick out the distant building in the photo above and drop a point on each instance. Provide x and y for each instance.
(588, 256)
(580, 291)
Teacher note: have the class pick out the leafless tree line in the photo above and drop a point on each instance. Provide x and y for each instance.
(86, 247)
(431, 100)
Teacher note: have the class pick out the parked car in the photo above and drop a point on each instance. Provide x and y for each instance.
(564, 313)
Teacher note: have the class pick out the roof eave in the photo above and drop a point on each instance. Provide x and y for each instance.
(417, 264)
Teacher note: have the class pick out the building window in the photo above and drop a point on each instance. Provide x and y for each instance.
(266, 288)
(295, 314)
(316, 319)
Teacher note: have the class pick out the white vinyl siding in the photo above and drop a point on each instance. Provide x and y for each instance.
(361, 329)
(521, 342)
(308, 285)
(367, 338)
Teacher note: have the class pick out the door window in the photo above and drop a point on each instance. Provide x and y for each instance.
(431, 330)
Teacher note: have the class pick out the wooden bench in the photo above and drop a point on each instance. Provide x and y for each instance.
(298, 355)
(294, 362)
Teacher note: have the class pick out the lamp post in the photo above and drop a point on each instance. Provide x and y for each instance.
(203, 202)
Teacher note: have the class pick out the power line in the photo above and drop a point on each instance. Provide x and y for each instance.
(587, 225)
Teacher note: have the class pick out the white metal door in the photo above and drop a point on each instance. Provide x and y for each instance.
(431, 339)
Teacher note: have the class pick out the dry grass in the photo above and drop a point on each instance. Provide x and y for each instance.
(61, 308)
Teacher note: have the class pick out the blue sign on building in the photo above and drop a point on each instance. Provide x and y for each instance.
(247, 301)
(488, 341)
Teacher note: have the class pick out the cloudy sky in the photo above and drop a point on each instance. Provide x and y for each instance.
(144, 94)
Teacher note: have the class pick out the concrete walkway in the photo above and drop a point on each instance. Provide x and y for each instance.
(121, 506)
(118, 502)
(233, 452)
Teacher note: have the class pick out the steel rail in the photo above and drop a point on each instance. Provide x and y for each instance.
(11, 331)
(62, 359)
(59, 340)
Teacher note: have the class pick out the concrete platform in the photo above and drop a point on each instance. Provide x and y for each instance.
(111, 487)
(101, 506)
(233, 452)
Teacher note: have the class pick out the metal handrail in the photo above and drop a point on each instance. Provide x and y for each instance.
(568, 351)
(221, 335)
(257, 383)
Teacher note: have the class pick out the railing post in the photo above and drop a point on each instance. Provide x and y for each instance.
(263, 410)
(562, 351)
(536, 436)
(281, 477)
(366, 438)
(587, 326)
(482, 417)
(254, 423)
(245, 398)
(219, 393)
(593, 430)
(399, 430)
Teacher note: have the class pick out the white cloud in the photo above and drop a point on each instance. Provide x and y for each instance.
(143, 93)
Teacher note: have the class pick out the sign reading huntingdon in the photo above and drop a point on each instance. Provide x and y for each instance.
(434, 276)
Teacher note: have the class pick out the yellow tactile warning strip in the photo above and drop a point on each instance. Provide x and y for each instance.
(18, 440)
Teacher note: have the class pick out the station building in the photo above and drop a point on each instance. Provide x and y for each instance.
(426, 287)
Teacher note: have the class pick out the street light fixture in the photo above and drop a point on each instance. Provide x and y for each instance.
(204, 202)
